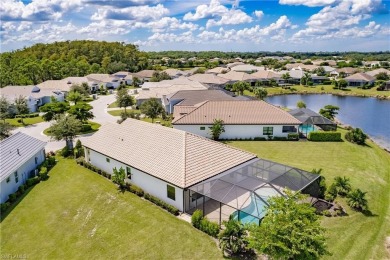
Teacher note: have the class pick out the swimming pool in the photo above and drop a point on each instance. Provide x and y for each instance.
(306, 129)
(251, 213)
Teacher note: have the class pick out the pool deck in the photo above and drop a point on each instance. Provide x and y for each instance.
(212, 211)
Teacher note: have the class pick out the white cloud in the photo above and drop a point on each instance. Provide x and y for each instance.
(233, 16)
(167, 24)
(259, 14)
(206, 11)
(310, 3)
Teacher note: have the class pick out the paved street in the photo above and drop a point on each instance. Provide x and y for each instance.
(101, 117)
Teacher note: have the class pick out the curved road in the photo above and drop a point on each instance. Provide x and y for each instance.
(101, 116)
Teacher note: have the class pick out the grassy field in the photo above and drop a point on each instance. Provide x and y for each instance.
(95, 126)
(27, 121)
(78, 214)
(326, 89)
(355, 236)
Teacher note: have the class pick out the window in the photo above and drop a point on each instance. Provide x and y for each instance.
(108, 160)
(268, 130)
(16, 177)
(171, 192)
(202, 128)
(128, 172)
(289, 129)
(36, 160)
(8, 179)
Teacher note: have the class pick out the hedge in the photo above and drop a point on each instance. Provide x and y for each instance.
(293, 136)
(171, 209)
(317, 136)
(203, 224)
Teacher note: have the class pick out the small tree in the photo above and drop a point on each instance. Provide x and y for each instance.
(240, 87)
(123, 99)
(52, 109)
(136, 82)
(261, 93)
(356, 136)
(342, 84)
(152, 108)
(322, 184)
(301, 104)
(5, 109)
(329, 111)
(82, 112)
(21, 106)
(382, 76)
(343, 185)
(74, 96)
(289, 230)
(65, 127)
(118, 177)
(78, 149)
(217, 129)
(233, 239)
(5, 130)
(357, 200)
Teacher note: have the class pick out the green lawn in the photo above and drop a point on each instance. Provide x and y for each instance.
(112, 105)
(95, 126)
(355, 236)
(162, 121)
(326, 89)
(27, 121)
(119, 111)
(78, 214)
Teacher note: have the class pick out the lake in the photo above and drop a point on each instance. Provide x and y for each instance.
(370, 114)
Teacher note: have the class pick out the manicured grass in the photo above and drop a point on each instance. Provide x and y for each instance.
(326, 89)
(355, 236)
(119, 111)
(78, 214)
(162, 121)
(95, 126)
(112, 105)
(27, 121)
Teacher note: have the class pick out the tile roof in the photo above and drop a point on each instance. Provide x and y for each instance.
(360, 76)
(209, 79)
(13, 92)
(235, 76)
(63, 84)
(175, 156)
(254, 112)
(103, 78)
(144, 74)
(265, 74)
(377, 71)
(192, 97)
(16, 150)
(217, 70)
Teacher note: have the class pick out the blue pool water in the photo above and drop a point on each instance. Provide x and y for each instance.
(251, 213)
(306, 129)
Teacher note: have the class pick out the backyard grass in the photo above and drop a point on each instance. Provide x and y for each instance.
(95, 126)
(119, 111)
(27, 121)
(78, 214)
(355, 236)
(326, 89)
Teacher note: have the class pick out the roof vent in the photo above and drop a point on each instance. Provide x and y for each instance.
(69, 82)
(18, 151)
(35, 89)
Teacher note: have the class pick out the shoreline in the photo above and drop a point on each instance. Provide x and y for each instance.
(343, 94)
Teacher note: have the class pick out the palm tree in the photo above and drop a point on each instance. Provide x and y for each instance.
(357, 200)
(286, 77)
(343, 185)
(260, 93)
(305, 79)
(233, 238)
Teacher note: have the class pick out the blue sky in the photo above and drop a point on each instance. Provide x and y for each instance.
(226, 25)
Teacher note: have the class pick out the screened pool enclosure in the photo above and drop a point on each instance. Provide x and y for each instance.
(243, 191)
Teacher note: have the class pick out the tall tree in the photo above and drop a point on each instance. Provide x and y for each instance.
(329, 111)
(152, 108)
(65, 127)
(52, 109)
(286, 76)
(217, 129)
(82, 112)
(290, 230)
(124, 99)
(261, 93)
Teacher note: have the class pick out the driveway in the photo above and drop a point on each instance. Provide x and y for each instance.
(101, 116)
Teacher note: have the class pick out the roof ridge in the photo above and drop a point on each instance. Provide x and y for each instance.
(174, 121)
(185, 159)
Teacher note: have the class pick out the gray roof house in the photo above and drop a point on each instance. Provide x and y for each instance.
(20, 156)
(309, 117)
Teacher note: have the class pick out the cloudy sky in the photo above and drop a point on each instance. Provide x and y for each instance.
(257, 25)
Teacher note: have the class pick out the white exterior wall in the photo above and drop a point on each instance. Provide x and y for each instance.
(23, 173)
(235, 131)
(148, 183)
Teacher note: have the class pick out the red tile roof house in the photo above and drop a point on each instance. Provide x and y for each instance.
(242, 119)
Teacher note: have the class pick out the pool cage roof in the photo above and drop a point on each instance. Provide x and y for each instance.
(307, 116)
(248, 186)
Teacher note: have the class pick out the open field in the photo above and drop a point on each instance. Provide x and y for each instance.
(326, 89)
(27, 121)
(78, 214)
(355, 236)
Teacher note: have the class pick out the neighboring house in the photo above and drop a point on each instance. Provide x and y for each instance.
(359, 80)
(124, 77)
(242, 119)
(266, 76)
(318, 79)
(164, 162)
(217, 70)
(234, 76)
(105, 80)
(64, 85)
(144, 75)
(372, 64)
(377, 71)
(210, 80)
(309, 119)
(175, 73)
(21, 154)
(301, 66)
(193, 97)
(35, 96)
(347, 71)
(233, 64)
(247, 68)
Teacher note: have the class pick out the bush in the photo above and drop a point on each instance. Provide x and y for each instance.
(259, 139)
(80, 161)
(21, 189)
(32, 181)
(210, 228)
(356, 136)
(196, 218)
(136, 190)
(171, 209)
(19, 120)
(317, 136)
(12, 197)
(51, 161)
(86, 127)
(4, 206)
(43, 174)
(331, 193)
(280, 138)
(293, 136)
(65, 152)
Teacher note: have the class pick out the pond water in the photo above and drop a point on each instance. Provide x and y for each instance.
(370, 114)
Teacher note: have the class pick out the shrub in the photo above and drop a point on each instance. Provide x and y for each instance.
(196, 218)
(86, 128)
(259, 139)
(317, 136)
(19, 120)
(80, 161)
(233, 239)
(171, 209)
(356, 136)
(21, 189)
(280, 138)
(293, 136)
(331, 193)
(32, 181)
(65, 152)
(136, 190)
(51, 161)
(43, 173)
(12, 197)
(4, 206)
(357, 200)
(210, 228)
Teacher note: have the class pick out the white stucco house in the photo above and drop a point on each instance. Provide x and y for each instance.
(163, 161)
(242, 119)
(21, 154)
(105, 80)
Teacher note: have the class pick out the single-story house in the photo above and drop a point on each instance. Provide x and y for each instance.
(34, 95)
(193, 97)
(234, 76)
(210, 80)
(217, 70)
(175, 73)
(64, 85)
(318, 79)
(164, 162)
(21, 154)
(266, 76)
(377, 71)
(241, 119)
(105, 80)
(144, 75)
(359, 79)
(347, 71)
(124, 77)
(247, 68)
